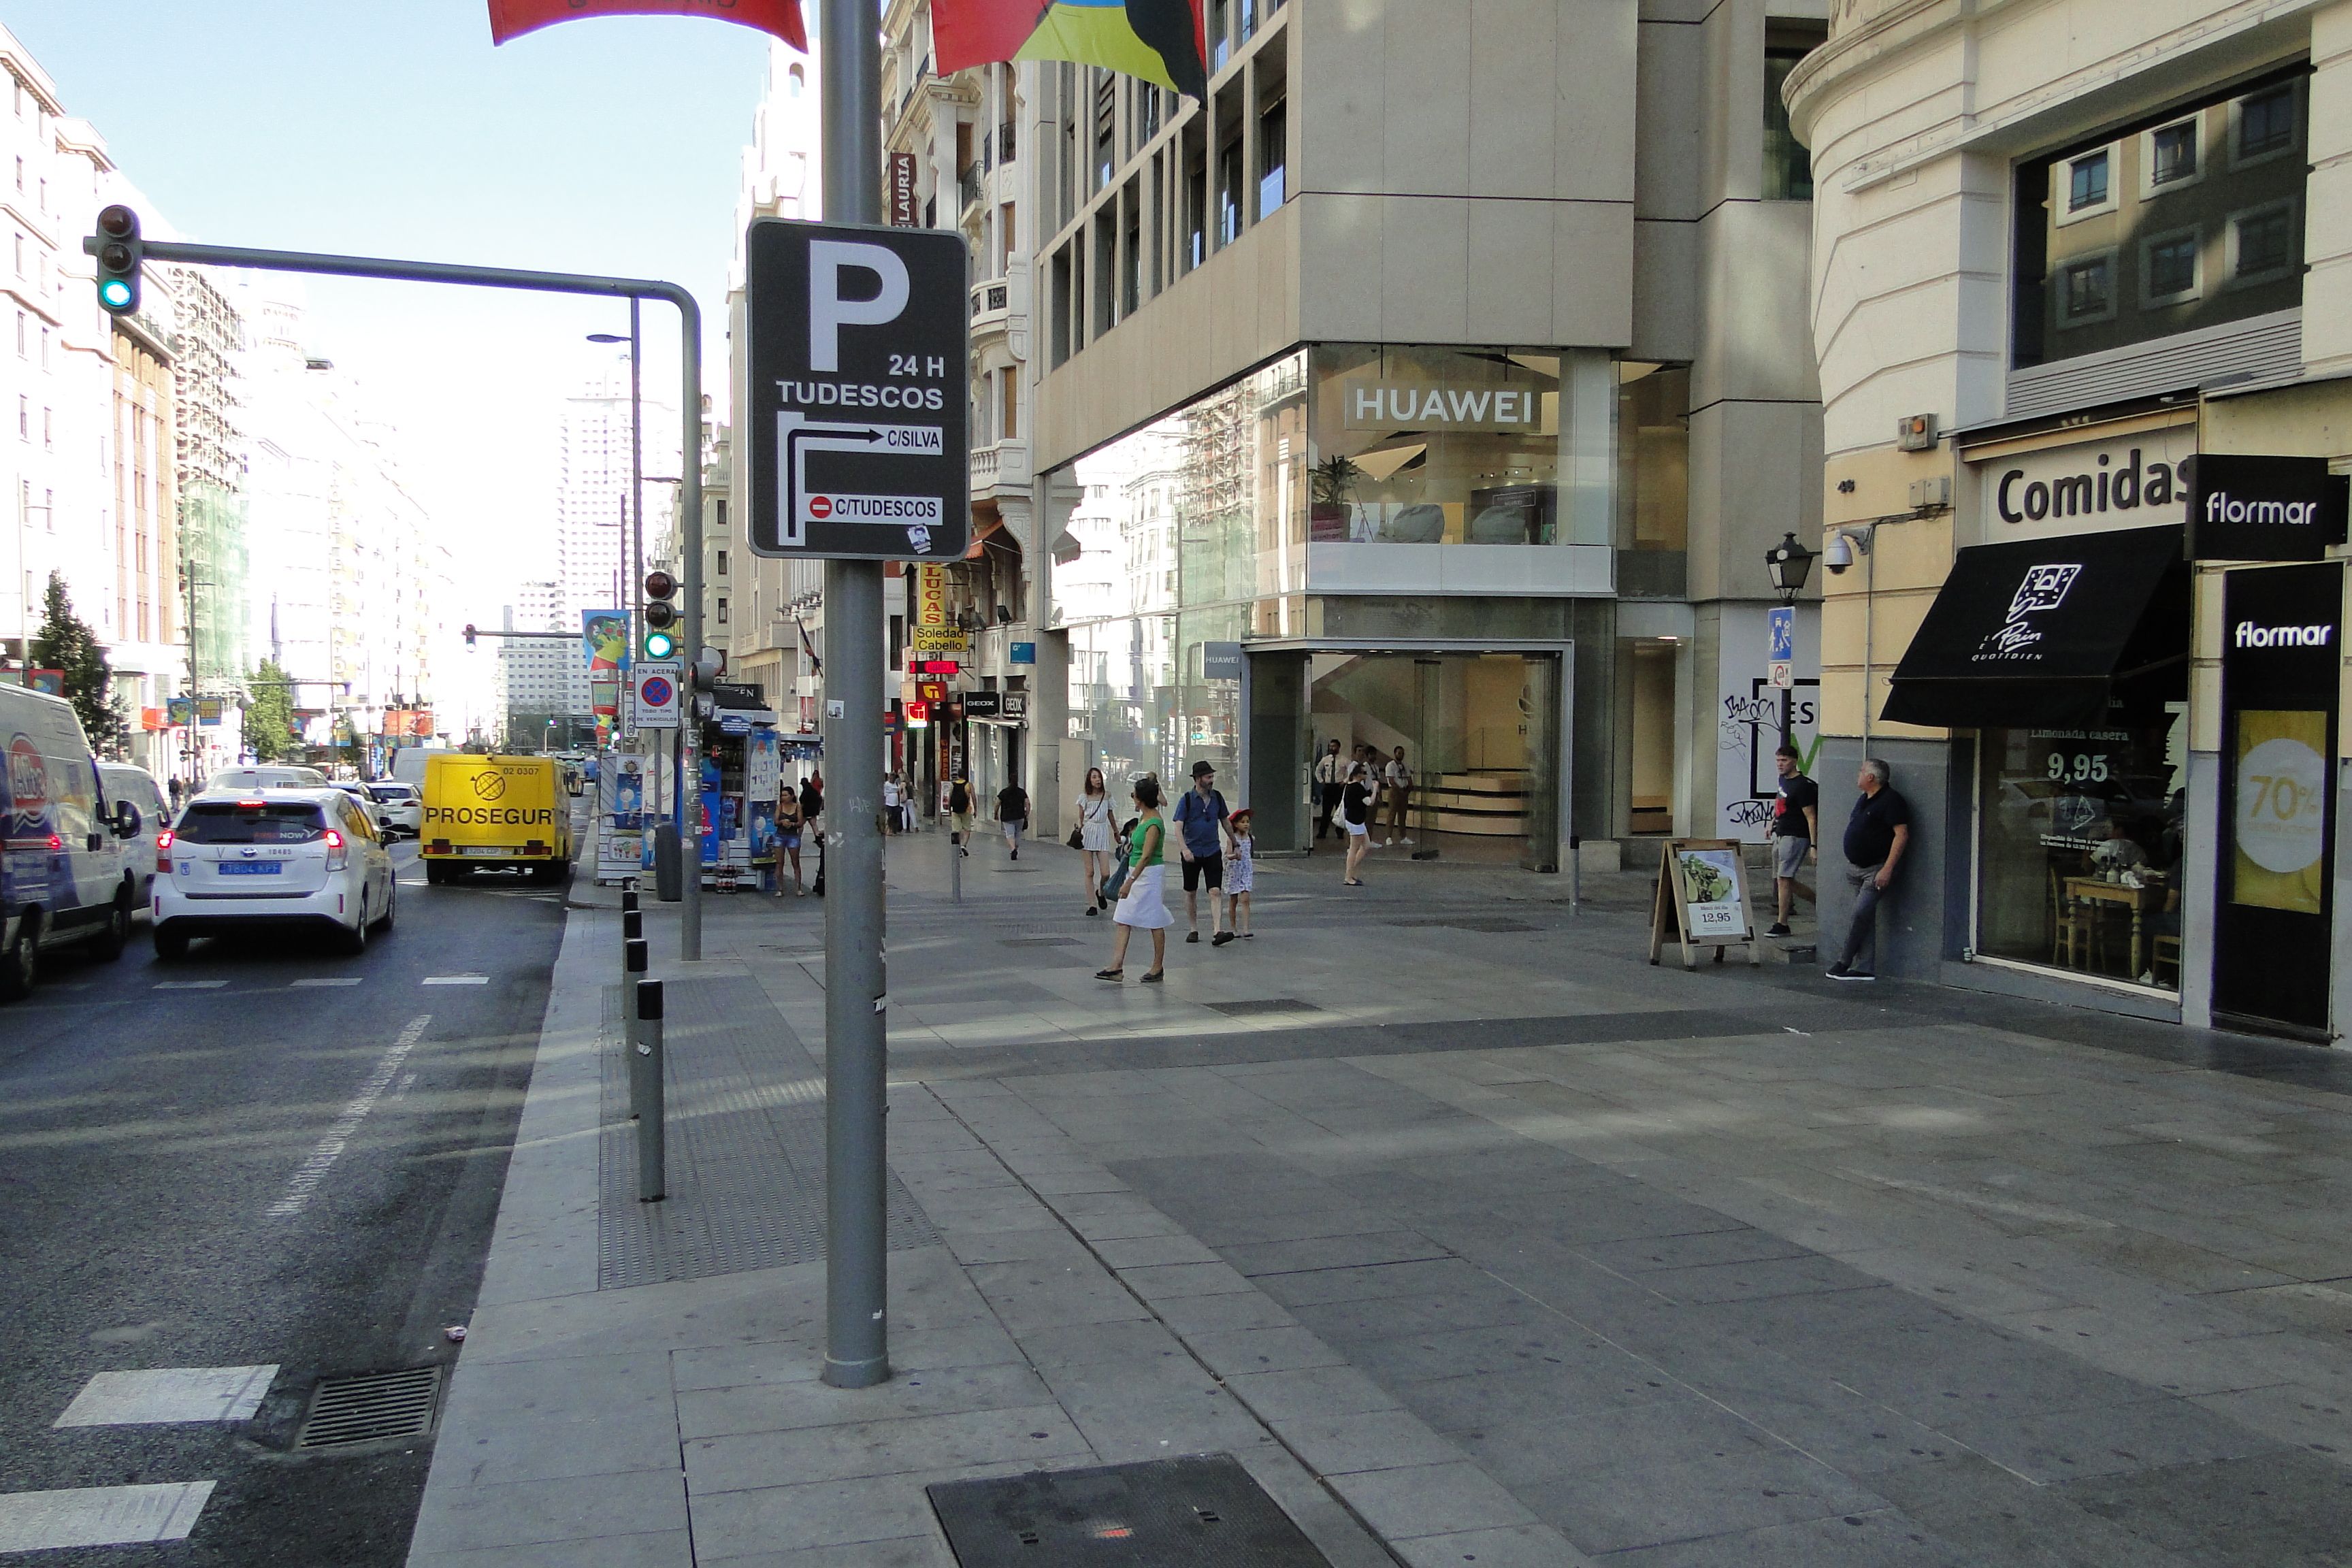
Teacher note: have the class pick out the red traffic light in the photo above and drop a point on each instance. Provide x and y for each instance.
(660, 585)
(118, 223)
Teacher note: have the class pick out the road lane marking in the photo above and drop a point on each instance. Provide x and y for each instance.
(305, 984)
(305, 1180)
(169, 1395)
(457, 980)
(101, 1515)
(190, 984)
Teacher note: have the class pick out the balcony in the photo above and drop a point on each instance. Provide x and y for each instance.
(968, 186)
(1001, 306)
(1003, 465)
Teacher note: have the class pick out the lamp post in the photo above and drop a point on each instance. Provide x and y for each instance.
(1789, 564)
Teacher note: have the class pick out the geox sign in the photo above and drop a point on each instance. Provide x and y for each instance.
(2263, 508)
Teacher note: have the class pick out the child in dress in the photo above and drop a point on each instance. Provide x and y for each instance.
(1241, 874)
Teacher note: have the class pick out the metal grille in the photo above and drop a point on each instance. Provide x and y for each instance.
(746, 1136)
(371, 1406)
(1258, 1009)
(1201, 1512)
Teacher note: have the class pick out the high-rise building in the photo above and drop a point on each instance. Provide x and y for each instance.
(537, 681)
(593, 529)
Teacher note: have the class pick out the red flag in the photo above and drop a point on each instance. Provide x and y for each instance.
(513, 18)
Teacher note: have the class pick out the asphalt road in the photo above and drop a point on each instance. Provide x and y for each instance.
(173, 1194)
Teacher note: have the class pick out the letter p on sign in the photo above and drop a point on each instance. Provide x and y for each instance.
(829, 312)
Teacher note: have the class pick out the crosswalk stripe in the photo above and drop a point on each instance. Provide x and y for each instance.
(101, 1515)
(457, 980)
(306, 984)
(170, 1394)
(190, 984)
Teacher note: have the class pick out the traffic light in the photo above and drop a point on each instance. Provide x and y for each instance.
(661, 615)
(470, 634)
(118, 251)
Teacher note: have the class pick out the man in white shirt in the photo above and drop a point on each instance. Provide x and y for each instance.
(1398, 777)
(1330, 779)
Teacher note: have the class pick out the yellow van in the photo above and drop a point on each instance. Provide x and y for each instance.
(495, 812)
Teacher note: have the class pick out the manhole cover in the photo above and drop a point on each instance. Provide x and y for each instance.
(1041, 941)
(371, 1406)
(1202, 1511)
(1256, 1009)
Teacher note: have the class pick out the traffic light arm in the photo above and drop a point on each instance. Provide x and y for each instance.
(544, 637)
(689, 401)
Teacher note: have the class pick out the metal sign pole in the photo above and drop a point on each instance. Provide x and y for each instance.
(857, 1022)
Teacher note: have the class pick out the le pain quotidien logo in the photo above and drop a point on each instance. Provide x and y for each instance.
(2044, 588)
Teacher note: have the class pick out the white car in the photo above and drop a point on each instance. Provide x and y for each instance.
(125, 785)
(272, 858)
(401, 807)
(268, 776)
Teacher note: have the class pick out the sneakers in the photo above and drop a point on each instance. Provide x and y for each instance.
(1222, 938)
(1016, 853)
(1192, 936)
(1777, 927)
(1840, 972)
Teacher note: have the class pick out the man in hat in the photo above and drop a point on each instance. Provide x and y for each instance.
(1201, 813)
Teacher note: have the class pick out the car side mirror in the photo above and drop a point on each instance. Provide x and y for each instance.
(128, 821)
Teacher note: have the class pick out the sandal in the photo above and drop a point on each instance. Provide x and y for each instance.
(1111, 974)
(1153, 977)
(1353, 882)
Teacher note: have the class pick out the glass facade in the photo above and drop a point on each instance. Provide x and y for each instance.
(2081, 848)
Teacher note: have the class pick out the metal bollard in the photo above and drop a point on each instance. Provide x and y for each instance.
(633, 967)
(651, 1149)
(633, 925)
(628, 901)
(955, 866)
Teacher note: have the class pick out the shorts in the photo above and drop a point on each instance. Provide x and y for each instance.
(1358, 828)
(1209, 868)
(1789, 855)
(789, 840)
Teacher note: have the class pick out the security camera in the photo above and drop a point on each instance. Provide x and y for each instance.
(1837, 553)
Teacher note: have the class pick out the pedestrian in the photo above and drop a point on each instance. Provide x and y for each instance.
(1355, 815)
(1141, 905)
(1201, 815)
(177, 791)
(890, 802)
(789, 823)
(1096, 832)
(1241, 874)
(1875, 838)
(1012, 816)
(812, 799)
(1330, 777)
(1398, 777)
(1796, 828)
(959, 816)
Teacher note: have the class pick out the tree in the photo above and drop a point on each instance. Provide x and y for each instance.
(65, 642)
(270, 714)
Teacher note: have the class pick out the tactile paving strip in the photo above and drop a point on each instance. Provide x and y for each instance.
(746, 1143)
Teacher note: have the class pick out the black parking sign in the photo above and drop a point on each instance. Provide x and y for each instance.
(858, 397)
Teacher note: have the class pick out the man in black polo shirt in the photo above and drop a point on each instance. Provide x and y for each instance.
(1875, 838)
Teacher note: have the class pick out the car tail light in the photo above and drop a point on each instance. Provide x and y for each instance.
(163, 850)
(339, 855)
(55, 842)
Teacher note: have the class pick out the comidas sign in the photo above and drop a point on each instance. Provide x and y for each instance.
(2263, 508)
(2129, 481)
(858, 392)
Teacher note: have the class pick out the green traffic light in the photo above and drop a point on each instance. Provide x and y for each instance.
(660, 645)
(116, 294)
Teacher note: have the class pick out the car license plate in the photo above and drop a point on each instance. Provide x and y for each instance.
(254, 869)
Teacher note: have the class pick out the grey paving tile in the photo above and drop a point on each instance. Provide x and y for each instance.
(797, 1361)
(1520, 1546)
(1530, 1348)
(2051, 1446)
(1054, 1245)
(1210, 1314)
(1431, 1499)
(1169, 1281)
(1481, 1400)
(1997, 1517)
(821, 1513)
(1262, 1350)
(658, 1548)
(786, 1407)
(1028, 1296)
(913, 1552)
(1333, 1252)
(539, 1420)
(572, 1509)
(2289, 1413)
(1700, 1250)
(1310, 1392)
(1139, 1343)
(1805, 1275)
(2255, 1512)
(1369, 1440)
(1034, 1435)
(1299, 1289)
(1123, 1429)
(1665, 1434)
(1882, 1538)
(1144, 1251)
(1488, 1304)
(1619, 1508)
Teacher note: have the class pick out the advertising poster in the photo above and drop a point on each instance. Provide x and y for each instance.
(620, 818)
(1711, 892)
(1702, 900)
(605, 646)
(2281, 828)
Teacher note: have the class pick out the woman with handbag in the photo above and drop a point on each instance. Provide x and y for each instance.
(1093, 835)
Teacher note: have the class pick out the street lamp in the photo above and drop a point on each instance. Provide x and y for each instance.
(1789, 564)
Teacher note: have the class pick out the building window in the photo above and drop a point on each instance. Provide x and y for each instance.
(24, 418)
(20, 174)
(49, 429)
(2266, 122)
(722, 612)
(24, 336)
(1788, 164)
(2171, 155)
(2086, 290)
(2088, 188)
(722, 563)
(1008, 402)
(2262, 244)
(1273, 153)
(2169, 271)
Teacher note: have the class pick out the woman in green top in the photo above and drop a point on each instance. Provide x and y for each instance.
(1140, 902)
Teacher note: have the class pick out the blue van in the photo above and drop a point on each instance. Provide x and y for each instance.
(65, 872)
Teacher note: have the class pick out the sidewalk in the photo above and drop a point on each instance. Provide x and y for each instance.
(1472, 1235)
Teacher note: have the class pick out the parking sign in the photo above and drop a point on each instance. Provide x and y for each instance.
(858, 392)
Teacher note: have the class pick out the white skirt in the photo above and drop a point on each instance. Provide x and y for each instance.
(1143, 908)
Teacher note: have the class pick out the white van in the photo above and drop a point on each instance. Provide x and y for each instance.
(64, 876)
(127, 784)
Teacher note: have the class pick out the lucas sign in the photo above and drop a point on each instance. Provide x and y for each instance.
(858, 392)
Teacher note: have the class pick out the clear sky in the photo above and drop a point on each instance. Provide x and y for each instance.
(394, 127)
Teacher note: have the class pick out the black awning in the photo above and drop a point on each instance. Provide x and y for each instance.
(2050, 632)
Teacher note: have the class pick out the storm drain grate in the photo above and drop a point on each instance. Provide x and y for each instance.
(372, 1406)
(1201, 1512)
(1041, 941)
(1260, 1009)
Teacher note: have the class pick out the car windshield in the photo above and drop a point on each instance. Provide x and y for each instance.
(391, 793)
(251, 822)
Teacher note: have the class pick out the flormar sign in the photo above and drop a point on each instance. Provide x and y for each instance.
(2245, 508)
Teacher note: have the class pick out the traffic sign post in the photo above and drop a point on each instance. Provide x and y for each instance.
(654, 688)
(1781, 663)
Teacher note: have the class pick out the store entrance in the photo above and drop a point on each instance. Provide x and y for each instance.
(1466, 746)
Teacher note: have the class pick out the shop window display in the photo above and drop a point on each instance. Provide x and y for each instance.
(2081, 860)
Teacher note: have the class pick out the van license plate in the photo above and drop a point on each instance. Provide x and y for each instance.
(251, 869)
(490, 851)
